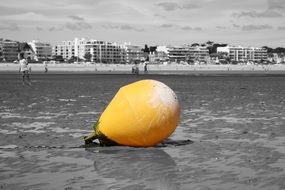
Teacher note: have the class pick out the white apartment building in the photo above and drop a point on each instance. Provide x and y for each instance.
(10, 50)
(239, 53)
(199, 54)
(42, 50)
(104, 52)
(1, 49)
(188, 54)
(101, 51)
(132, 53)
(69, 49)
(162, 53)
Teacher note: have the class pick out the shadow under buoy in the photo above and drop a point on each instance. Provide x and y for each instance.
(165, 143)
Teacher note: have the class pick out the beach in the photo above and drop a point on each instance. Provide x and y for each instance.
(233, 126)
(152, 68)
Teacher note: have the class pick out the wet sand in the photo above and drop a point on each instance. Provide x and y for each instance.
(236, 123)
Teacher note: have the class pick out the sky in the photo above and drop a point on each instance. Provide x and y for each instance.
(153, 22)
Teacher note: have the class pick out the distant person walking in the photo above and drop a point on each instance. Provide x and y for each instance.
(135, 69)
(25, 69)
(45, 66)
(145, 67)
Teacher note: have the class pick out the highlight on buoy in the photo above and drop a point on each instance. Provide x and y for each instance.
(141, 114)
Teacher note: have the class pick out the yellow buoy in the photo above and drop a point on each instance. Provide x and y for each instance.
(141, 114)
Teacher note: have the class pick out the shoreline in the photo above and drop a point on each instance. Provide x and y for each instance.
(11, 68)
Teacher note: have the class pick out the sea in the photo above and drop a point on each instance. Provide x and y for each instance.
(231, 134)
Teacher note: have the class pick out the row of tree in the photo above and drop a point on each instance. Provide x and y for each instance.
(278, 50)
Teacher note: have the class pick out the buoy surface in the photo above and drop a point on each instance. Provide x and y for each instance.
(141, 114)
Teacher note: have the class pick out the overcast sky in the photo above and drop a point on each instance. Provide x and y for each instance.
(153, 22)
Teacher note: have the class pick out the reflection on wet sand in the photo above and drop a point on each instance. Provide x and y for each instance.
(136, 168)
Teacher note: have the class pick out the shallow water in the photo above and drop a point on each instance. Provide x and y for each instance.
(236, 124)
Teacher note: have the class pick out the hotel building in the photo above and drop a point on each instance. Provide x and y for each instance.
(42, 50)
(101, 51)
(69, 49)
(66, 50)
(188, 54)
(10, 50)
(238, 53)
(132, 53)
(104, 52)
(1, 49)
(160, 55)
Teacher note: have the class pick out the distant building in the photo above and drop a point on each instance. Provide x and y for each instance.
(199, 54)
(188, 54)
(42, 50)
(132, 53)
(104, 52)
(177, 54)
(101, 51)
(69, 49)
(162, 53)
(28, 51)
(158, 54)
(278, 58)
(1, 49)
(153, 57)
(66, 50)
(244, 54)
(10, 50)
